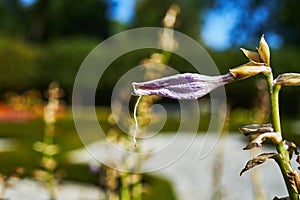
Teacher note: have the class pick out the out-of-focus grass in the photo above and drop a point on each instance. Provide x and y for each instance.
(158, 188)
(24, 135)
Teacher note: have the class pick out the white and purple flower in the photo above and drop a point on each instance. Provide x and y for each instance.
(190, 86)
(186, 86)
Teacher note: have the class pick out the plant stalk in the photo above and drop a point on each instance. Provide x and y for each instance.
(283, 159)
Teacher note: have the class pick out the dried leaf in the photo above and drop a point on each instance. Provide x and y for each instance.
(256, 128)
(291, 147)
(264, 51)
(252, 55)
(250, 69)
(253, 144)
(260, 159)
(298, 160)
(186, 86)
(288, 79)
(283, 198)
(257, 142)
(294, 179)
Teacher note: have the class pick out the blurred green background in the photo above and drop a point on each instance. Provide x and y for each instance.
(43, 41)
(46, 40)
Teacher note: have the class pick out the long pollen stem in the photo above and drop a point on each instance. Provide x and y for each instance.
(135, 121)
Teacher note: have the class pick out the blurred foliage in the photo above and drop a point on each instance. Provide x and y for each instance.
(48, 19)
(157, 188)
(61, 59)
(36, 66)
(48, 40)
(253, 18)
(189, 21)
(67, 138)
(18, 64)
(287, 22)
(27, 65)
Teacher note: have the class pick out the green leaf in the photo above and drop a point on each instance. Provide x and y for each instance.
(288, 79)
(260, 159)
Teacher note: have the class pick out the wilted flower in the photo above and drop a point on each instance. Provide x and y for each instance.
(257, 142)
(288, 79)
(260, 132)
(260, 159)
(256, 129)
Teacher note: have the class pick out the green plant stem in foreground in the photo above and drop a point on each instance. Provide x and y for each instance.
(275, 108)
(283, 158)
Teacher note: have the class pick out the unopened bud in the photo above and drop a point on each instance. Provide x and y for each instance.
(264, 51)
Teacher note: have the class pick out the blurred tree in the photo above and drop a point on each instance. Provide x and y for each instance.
(12, 17)
(151, 13)
(48, 19)
(56, 18)
(285, 21)
(277, 19)
(18, 65)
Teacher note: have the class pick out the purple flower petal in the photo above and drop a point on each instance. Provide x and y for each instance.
(186, 86)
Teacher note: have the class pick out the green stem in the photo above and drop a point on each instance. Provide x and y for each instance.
(125, 190)
(137, 191)
(166, 56)
(275, 109)
(283, 159)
